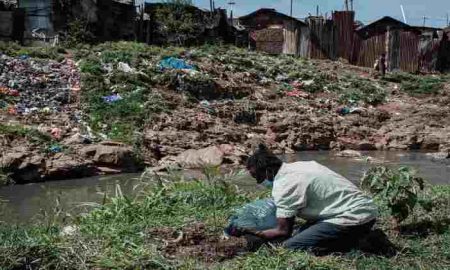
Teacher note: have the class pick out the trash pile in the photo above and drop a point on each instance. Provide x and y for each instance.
(30, 85)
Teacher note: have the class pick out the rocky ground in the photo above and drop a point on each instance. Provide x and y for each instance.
(113, 108)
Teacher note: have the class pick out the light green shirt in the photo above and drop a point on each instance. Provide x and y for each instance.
(315, 193)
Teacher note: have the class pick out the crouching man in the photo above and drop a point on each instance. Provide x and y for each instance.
(338, 214)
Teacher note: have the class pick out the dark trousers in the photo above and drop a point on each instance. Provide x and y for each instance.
(323, 237)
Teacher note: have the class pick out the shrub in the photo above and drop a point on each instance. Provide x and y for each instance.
(398, 188)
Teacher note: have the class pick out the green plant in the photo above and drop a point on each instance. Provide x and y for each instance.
(416, 84)
(398, 188)
(31, 134)
(78, 33)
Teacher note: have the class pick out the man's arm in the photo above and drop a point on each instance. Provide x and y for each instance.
(283, 229)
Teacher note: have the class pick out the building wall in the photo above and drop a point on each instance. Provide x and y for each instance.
(6, 24)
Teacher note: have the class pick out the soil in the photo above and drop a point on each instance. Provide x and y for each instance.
(195, 241)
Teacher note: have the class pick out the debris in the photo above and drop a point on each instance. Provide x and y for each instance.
(349, 153)
(55, 148)
(173, 63)
(37, 83)
(112, 98)
(56, 133)
(124, 67)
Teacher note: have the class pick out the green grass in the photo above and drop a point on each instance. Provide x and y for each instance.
(114, 235)
(417, 84)
(30, 134)
(14, 49)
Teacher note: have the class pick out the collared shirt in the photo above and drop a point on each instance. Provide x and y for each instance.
(315, 193)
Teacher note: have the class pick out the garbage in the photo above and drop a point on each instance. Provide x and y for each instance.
(173, 63)
(112, 98)
(55, 148)
(297, 93)
(258, 215)
(349, 110)
(207, 106)
(56, 133)
(27, 83)
(124, 67)
(343, 110)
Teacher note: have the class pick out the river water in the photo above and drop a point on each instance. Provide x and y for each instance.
(27, 203)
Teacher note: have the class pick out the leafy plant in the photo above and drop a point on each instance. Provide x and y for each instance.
(398, 188)
(416, 84)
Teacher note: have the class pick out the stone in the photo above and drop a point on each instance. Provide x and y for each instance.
(197, 159)
(67, 167)
(439, 156)
(366, 146)
(349, 154)
(12, 160)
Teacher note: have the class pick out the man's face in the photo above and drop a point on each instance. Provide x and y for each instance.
(258, 176)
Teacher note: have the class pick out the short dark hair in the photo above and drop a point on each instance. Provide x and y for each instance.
(263, 160)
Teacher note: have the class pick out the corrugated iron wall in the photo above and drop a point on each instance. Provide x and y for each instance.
(304, 42)
(344, 24)
(428, 53)
(408, 46)
(291, 38)
(322, 41)
(270, 40)
(370, 49)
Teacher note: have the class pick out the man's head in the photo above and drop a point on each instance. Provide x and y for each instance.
(263, 164)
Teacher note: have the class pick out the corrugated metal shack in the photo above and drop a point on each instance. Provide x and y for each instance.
(43, 20)
(406, 48)
(397, 40)
(11, 21)
(274, 32)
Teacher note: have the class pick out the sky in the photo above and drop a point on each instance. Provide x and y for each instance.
(366, 10)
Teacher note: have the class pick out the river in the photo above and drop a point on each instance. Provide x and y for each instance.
(26, 203)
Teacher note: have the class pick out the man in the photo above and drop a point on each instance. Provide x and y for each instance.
(337, 213)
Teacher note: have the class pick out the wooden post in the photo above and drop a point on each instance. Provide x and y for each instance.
(346, 5)
(388, 49)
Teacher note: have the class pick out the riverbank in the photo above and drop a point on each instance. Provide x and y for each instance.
(115, 107)
(177, 225)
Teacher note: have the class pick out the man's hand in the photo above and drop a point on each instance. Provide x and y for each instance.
(238, 232)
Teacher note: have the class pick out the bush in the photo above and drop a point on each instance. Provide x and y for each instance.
(398, 188)
(415, 84)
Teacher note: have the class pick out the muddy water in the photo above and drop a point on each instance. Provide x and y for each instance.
(26, 203)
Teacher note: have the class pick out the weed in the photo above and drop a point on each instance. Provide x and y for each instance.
(32, 135)
(416, 84)
(398, 188)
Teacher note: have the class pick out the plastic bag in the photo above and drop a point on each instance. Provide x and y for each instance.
(258, 215)
(174, 63)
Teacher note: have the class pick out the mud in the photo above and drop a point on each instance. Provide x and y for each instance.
(195, 241)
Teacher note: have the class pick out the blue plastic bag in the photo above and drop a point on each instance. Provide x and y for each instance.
(258, 215)
(112, 98)
(174, 63)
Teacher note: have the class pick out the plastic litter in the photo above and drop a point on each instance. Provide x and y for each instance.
(27, 83)
(173, 63)
(124, 67)
(112, 98)
(55, 148)
(56, 133)
(258, 215)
